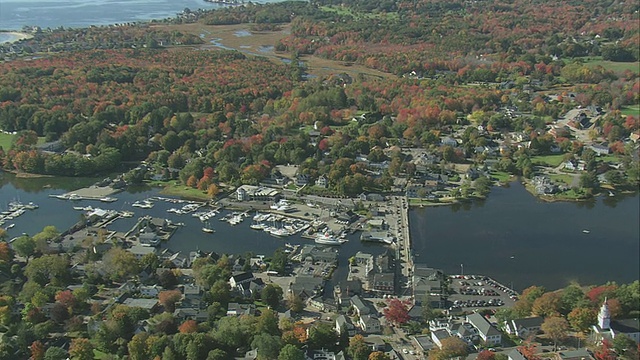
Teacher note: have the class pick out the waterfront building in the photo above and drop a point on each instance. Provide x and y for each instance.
(524, 328)
(487, 332)
(256, 193)
(140, 251)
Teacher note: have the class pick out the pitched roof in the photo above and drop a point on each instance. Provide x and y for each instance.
(483, 326)
(528, 322)
(626, 326)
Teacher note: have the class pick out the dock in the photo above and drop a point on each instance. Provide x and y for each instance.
(99, 193)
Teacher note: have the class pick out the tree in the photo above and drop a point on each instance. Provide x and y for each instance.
(529, 351)
(624, 345)
(55, 353)
(217, 354)
(291, 352)
(322, 336)
(169, 298)
(120, 264)
(188, 326)
(268, 346)
(278, 261)
(486, 355)
(37, 350)
(220, 293)
(296, 304)
(6, 253)
(547, 305)
(66, 298)
(379, 355)
(81, 349)
(397, 312)
(582, 318)
(138, 349)
(271, 295)
(451, 347)
(48, 268)
(358, 348)
(267, 322)
(212, 190)
(168, 279)
(24, 246)
(555, 328)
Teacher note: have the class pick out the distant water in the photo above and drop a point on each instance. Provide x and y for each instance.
(5, 37)
(14, 14)
(518, 239)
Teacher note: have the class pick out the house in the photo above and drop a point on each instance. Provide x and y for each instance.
(384, 283)
(150, 291)
(241, 278)
(343, 324)
(312, 253)
(423, 343)
(140, 251)
(580, 354)
(302, 180)
(524, 328)
(323, 354)
(488, 333)
(198, 315)
(515, 355)
(307, 286)
(322, 182)
(235, 309)
(360, 307)
(426, 281)
(600, 149)
(607, 329)
(449, 141)
(148, 304)
(439, 335)
(369, 324)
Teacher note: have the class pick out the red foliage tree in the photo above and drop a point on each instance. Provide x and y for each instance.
(66, 298)
(597, 294)
(529, 351)
(169, 298)
(37, 350)
(604, 351)
(397, 311)
(189, 326)
(486, 355)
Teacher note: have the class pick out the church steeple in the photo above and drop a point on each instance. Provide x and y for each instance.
(604, 317)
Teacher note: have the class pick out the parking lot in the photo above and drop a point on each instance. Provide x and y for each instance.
(477, 291)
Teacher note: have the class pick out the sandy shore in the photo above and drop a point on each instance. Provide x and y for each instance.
(13, 36)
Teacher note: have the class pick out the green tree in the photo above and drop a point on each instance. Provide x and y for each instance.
(267, 322)
(271, 295)
(291, 352)
(278, 261)
(322, 336)
(24, 246)
(220, 293)
(55, 353)
(268, 346)
(138, 347)
(46, 269)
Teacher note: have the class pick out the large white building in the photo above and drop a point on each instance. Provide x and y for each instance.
(608, 329)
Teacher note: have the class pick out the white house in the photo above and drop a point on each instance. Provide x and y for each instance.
(369, 324)
(525, 327)
(488, 333)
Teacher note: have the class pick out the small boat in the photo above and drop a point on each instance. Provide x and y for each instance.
(328, 239)
(585, 231)
(10, 226)
(108, 199)
(611, 193)
(208, 230)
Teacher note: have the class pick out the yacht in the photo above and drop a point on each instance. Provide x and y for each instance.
(327, 239)
(208, 230)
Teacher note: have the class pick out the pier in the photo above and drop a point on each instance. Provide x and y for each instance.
(401, 206)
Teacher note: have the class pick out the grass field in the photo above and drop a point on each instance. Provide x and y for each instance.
(5, 140)
(501, 176)
(175, 188)
(563, 178)
(547, 160)
(617, 67)
(633, 110)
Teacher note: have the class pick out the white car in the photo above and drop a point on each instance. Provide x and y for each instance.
(405, 351)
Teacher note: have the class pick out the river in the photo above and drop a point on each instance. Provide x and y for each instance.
(14, 14)
(520, 240)
(511, 236)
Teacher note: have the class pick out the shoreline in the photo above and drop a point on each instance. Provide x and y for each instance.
(14, 36)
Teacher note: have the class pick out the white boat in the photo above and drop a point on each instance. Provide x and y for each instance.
(108, 199)
(10, 226)
(208, 230)
(281, 232)
(585, 231)
(78, 208)
(327, 239)
(257, 226)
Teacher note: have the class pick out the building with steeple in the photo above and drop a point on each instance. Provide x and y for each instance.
(608, 329)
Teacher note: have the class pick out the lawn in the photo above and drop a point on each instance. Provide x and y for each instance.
(6, 140)
(617, 67)
(501, 176)
(633, 110)
(175, 188)
(548, 160)
(563, 178)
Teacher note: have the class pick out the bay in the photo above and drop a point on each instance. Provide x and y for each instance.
(15, 14)
(523, 241)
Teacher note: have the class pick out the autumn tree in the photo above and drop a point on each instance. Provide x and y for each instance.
(529, 351)
(188, 326)
(120, 263)
(358, 348)
(397, 311)
(486, 355)
(213, 190)
(81, 349)
(169, 298)
(582, 318)
(548, 304)
(555, 328)
(379, 355)
(66, 298)
(451, 347)
(37, 350)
